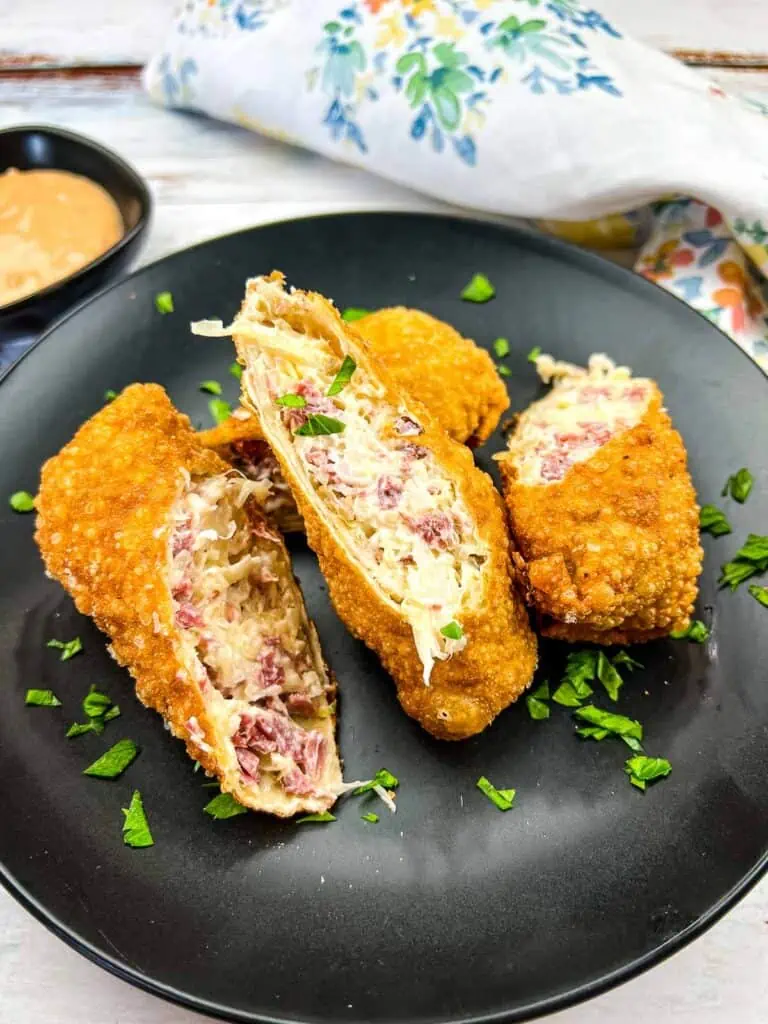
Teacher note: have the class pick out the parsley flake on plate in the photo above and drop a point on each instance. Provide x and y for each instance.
(318, 424)
(219, 410)
(713, 520)
(96, 704)
(114, 762)
(382, 778)
(535, 702)
(622, 658)
(501, 348)
(453, 631)
(42, 699)
(354, 313)
(503, 371)
(224, 806)
(212, 387)
(22, 501)
(534, 354)
(79, 728)
(370, 817)
(697, 633)
(164, 302)
(580, 670)
(343, 377)
(749, 560)
(479, 289)
(135, 826)
(504, 799)
(291, 401)
(642, 770)
(608, 676)
(236, 370)
(738, 485)
(320, 816)
(68, 648)
(110, 395)
(630, 730)
(760, 594)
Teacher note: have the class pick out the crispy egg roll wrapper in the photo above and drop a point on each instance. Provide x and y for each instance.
(106, 519)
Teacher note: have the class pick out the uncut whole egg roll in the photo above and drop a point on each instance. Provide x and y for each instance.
(410, 535)
(166, 548)
(427, 358)
(602, 507)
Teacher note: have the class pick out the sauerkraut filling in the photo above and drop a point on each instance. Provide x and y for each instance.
(241, 614)
(394, 505)
(584, 410)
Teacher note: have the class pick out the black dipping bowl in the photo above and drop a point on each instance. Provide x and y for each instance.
(44, 147)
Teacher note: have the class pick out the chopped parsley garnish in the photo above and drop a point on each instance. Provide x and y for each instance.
(343, 377)
(212, 387)
(622, 658)
(642, 770)
(22, 501)
(371, 817)
(68, 648)
(219, 410)
(354, 313)
(712, 520)
(236, 370)
(738, 485)
(760, 594)
(114, 762)
(318, 424)
(479, 289)
(136, 827)
(504, 371)
(224, 806)
(96, 704)
(78, 728)
(501, 348)
(502, 798)
(534, 354)
(291, 401)
(697, 633)
(381, 778)
(164, 302)
(42, 699)
(535, 702)
(749, 560)
(320, 816)
(608, 676)
(110, 395)
(580, 670)
(592, 732)
(630, 730)
(453, 631)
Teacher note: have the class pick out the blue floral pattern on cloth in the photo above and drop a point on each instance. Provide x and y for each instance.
(527, 108)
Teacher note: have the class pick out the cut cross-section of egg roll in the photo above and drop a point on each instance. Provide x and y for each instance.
(602, 507)
(166, 548)
(410, 535)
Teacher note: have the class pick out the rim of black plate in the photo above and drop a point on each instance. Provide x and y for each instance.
(549, 1004)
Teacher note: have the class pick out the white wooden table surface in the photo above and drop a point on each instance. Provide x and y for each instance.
(76, 65)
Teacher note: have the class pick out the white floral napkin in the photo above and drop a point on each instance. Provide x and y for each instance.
(533, 108)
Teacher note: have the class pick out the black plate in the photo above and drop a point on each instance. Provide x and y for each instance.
(450, 909)
(35, 147)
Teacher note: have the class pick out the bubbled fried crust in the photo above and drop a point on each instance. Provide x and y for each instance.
(468, 690)
(233, 428)
(450, 374)
(612, 551)
(104, 519)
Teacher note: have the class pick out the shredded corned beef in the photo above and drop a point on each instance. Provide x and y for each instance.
(407, 427)
(437, 529)
(389, 491)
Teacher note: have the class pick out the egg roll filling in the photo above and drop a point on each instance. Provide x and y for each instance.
(244, 630)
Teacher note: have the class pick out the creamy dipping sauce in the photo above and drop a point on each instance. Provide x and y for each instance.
(52, 223)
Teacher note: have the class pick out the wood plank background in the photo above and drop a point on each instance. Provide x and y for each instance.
(75, 64)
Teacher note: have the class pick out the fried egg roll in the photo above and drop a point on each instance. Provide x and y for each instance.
(410, 535)
(166, 548)
(602, 508)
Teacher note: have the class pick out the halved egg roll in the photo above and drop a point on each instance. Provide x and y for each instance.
(410, 535)
(166, 548)
(602, 507)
